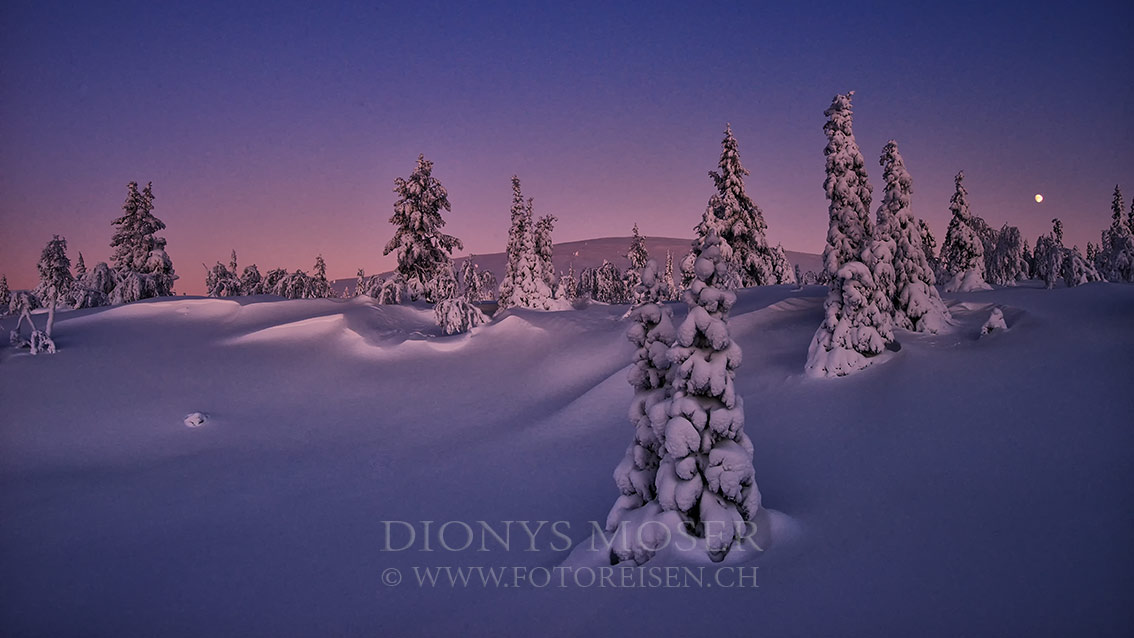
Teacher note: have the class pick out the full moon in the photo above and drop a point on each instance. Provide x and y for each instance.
(1039, 198)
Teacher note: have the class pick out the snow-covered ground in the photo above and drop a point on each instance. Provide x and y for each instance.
(964, 486)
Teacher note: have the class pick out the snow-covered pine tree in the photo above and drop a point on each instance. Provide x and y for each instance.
(568, 284)
(80, 267)
(1029, 261)
(544, 248)
(470, 279)
(1007, 260)
(251, 283)
(687, 274)
(962, 254)
(454, 312)
(5, 294)
(609, 286)
(848, 190)
(524, 285)
(55, 280)
(705, 474)
(928, 245)
(638, 257)
(1048, 255)
(421, 248)
(141, 265)
(652, 332)
(1116, 255)
(232, 263)
(222, 282)
(1076, 270)
(917, 306)
(670, 291)
(393, 291)
(320, 287)
(488, 285)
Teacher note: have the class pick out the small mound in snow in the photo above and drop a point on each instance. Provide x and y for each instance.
(995, 322)
(196, 419)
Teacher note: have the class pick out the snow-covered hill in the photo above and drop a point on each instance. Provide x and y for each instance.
(592, 252)
(966, 486)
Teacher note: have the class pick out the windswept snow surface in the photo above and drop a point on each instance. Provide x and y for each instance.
(964, 486)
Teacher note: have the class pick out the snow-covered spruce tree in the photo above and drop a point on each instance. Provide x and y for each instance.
(21, 304)
(916, 304)
(454, 312)
(544, 248)
(420, 246)
(222, 282)
(962, 254)
(5, 294)
(638, 257)
(1076, 270)
(929, 246)
(523, 284)
(857, 322)
(609, 286)
(705, 474)
(568, 285)
(1116, 255)
(687, 274)
(488, 285)
(739, 222)
(320, 287)
(80, 267)
(1007, 265)
(360, 283)
(848, 190)
(470, 279)
(251, 283)
(1048, 256)
(55, 281)
(141, 265)
(669, 290)
(1029, 261)
(652, 332)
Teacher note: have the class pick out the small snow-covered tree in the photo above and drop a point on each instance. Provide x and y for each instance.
(928, 245)
(524, 285)
(458, 314)
(669, 289)
(848, 190)
(1007, 261)
(80, 267)
(652, 332)
(420, 246)
(962, 254)
(140, 262)
(568, 284)
(250, 281)
(916, 304)
(222, 282)
(1076, 270)
(544, 248)
(705, 474)
(1049, 254)
(393, 291)
(55, 279)
(854, 329)
(470, 279)
(638, 257)
(5, 294)
(609, 285)
(488, 285)
(319, 287)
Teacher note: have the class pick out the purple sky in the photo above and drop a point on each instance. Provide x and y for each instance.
(277, 128)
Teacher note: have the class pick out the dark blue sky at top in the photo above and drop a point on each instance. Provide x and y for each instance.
(277, 128)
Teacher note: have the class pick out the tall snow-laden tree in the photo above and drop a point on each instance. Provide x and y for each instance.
(847, 188)
(1049, 254)
(222, 282)
(80, 267)
(857, 322)
(524, 285)
(5, 294)
(55, 278)
(652, 332)
(638, 257)
(470, 280)
(251, 283)
(232, 263)
(1076, 270)
(1007, 260)
(928, 245)
(1116, 255)
(141, 265)
(544, 248)
(705, 474)
(669, 285)
(917, 305)
(568, 284)
(962, 254)
(320, 287)
(422, 249)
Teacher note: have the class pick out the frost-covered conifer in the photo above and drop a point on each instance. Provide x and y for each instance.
(854, 328)
(222, 282)
(457, 314)
(1048, 256)
(568, 284)
(232, 263)
(739, 223)
(360, 283)
(705, 473)
(687, 274)
(5, 294)
(670, 291)
(470, 280)
(609, 285)
(421, 248)
(55, 279)
(1116, 255)
(393, 291)
(142, 267)
(962, 254)
(319, 286)
(652, 332)
(916, 304)
(488, 285)
(524, 285)
(80, 267)
(1007, 264)
(638, 257)
(544, 248)
(1076, 270)
(1029, 261)
(848, 190)
(928, 245)
(251, 283)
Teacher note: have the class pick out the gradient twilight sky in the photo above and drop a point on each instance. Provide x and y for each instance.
(277, 128)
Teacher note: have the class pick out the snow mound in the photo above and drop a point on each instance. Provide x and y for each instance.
(195, 419)
(995, 322)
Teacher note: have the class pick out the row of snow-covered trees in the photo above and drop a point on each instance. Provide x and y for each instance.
(139, 268)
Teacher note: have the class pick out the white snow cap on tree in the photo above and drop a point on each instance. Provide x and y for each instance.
(917, 305)
(962, 254)
(848, 190)
(421, 248)
(854, 329)
(142, 267)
